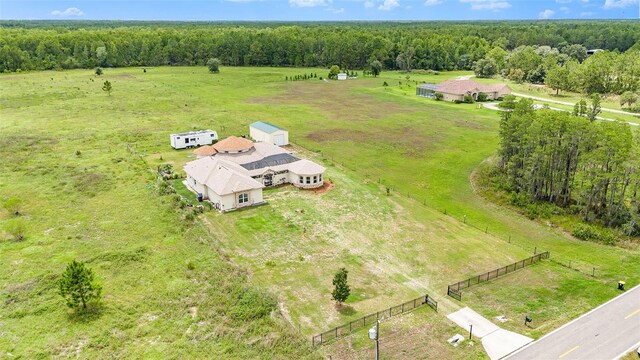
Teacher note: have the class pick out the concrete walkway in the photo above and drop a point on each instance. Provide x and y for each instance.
(496, 341)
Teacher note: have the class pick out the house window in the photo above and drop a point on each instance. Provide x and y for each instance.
(243, 198)
(186, 140)
(315, 179)
(320, 177)
(308, 180)
(301, 179)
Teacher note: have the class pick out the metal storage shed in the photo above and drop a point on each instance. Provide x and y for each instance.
(269, 133)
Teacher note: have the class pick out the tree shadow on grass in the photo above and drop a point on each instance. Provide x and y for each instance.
(93, 312)
(345, 310)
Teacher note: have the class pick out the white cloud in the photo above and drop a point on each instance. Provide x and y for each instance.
(563, 1)
(389, 4)
(546, 14)
(586, 14)
(72, 11)
(368, 4)
(487, 4)
(564, 9)
(609, 4)
(338, 11)
(432, 2)
(307, 3)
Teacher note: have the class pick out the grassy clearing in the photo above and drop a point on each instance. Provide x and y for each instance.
(167, 293)
(100, 206)
(420, 334)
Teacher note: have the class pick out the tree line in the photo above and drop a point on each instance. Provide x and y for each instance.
(591, 168)
(43, 45)
(567, 68)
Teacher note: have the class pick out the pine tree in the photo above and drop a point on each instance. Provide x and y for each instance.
(78, 286)
(341, 289)
(107, 87)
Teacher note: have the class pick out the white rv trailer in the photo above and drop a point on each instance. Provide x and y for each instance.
(193, 139)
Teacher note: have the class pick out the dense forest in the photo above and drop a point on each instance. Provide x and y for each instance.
(42, 45)
(590, 168)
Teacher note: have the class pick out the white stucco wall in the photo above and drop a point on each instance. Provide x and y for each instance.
(259, 135)
(294, 179)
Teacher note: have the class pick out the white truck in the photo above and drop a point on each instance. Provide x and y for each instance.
(193, 139)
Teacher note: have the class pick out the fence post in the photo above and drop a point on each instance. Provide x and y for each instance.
(535, 249)
(313, 341)
(593, 272)
(336, 332)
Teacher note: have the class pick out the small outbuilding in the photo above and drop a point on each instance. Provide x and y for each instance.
(342, 76)
(269, 133)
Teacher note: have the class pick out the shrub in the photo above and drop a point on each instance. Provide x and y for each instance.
(439, 96)
(16, 227)
(589, 233)
(13, 205)
(385, 84)
(482, 97)
(253, 304)
(190, 265)
(468, 99)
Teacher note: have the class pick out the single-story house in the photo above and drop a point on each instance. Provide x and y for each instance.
(236, 174)
(342, 76)
(456, 90)
(264, 131)
(225, 184)
(593, 51)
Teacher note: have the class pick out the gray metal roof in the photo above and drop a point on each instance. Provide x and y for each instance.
(273, 160)
(265, 127)
(433, 87)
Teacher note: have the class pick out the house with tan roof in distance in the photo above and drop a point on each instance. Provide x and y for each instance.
(235, 173)
(456, 90)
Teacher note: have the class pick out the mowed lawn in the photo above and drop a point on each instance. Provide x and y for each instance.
(369, 136)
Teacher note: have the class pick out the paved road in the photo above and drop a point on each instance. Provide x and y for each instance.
(605, 332)
(494, 106)
(569, 104)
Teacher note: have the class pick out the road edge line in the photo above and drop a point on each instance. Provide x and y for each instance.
(627, 351)
(572, 321)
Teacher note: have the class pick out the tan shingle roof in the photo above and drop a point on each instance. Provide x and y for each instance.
(233, 143)
(461, 87)
(206, 150)
(305, 167)
(223, 177)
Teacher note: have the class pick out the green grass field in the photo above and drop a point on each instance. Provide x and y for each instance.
(172, 286)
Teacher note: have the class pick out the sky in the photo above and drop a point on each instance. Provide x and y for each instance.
(317, 10)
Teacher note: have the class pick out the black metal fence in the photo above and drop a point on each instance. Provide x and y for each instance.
(454, 290)
(371, 319)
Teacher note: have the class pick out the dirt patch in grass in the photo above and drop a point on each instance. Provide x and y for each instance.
(410, 139)
(337, 100)
(469, 124)
(326, 186)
